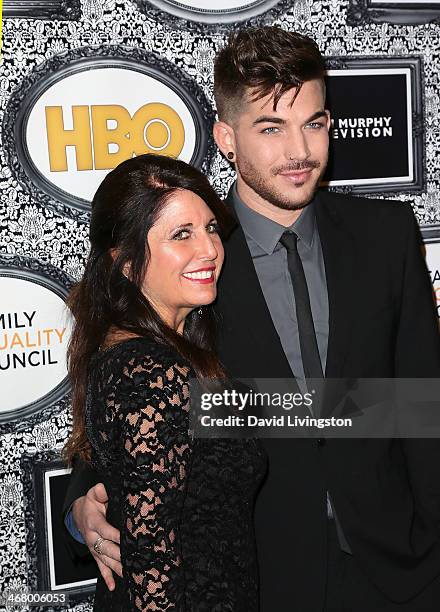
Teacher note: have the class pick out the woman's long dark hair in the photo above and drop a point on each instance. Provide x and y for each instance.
(127, 204)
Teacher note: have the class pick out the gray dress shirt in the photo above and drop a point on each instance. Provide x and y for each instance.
(270, 261)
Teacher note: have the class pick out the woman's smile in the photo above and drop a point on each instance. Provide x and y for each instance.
(202, 275)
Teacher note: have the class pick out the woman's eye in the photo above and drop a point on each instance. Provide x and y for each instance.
(181, 235)
(213, 228)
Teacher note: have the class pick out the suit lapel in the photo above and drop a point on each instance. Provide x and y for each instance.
(340, 256)
(239, 285)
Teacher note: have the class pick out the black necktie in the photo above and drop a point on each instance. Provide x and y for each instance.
(307, 337)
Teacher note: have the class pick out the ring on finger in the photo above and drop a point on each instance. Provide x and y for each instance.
(97, 545)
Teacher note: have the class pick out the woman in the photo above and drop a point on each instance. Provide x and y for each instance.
(143, 328)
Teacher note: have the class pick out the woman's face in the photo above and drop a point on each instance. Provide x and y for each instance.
(186, 256)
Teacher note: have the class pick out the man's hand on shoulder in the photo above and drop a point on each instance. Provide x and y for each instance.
(89, 514)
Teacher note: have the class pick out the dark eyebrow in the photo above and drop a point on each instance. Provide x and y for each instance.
(269, 119)
(316, 115)
(279, 121)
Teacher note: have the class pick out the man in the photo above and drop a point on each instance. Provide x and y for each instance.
(316, 284)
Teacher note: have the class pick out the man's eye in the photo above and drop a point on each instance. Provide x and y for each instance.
(315, 125)
(270, 130)
(213, 228)
(181, 235)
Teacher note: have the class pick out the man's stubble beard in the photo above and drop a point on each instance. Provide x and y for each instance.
(255, 181)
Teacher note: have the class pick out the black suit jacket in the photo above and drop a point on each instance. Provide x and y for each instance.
(382, 324)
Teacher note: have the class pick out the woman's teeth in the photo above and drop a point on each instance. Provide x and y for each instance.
(199, 275)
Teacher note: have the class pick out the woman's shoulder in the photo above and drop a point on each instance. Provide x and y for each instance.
(140, 355)
(126, 374)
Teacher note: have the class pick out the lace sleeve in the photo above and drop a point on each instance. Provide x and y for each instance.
(155, 460)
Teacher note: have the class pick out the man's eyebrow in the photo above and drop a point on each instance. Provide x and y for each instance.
(280, 121)
(316, 115)
(269, 119)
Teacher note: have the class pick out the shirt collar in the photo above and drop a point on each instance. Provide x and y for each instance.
(267, 233)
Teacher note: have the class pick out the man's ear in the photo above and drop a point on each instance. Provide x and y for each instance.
(224, 136)
(329, 119)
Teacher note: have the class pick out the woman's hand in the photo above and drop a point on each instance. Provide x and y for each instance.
(89, 514)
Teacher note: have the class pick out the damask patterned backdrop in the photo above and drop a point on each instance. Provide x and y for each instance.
(50, 50)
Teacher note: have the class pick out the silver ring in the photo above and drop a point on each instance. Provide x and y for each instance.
(97, 545)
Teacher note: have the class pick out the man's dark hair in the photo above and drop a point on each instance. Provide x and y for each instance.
(265, 60)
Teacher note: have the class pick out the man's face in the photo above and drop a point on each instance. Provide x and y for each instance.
(281, 155)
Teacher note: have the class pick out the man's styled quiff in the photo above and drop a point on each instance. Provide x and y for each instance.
(263, 61)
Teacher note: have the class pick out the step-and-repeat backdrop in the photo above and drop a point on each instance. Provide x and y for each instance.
(77, 77)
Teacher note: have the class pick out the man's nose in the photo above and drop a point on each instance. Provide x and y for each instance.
(297, 147)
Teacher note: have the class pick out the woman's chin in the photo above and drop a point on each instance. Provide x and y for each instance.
(204, 298)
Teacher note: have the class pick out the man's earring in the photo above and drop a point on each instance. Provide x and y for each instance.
(200, 311)
(230, 156)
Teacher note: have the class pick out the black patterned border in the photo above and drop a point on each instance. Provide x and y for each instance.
(362, 12)
(88, 58)
(203, 21)
(418, 122)
(55, 10)
(34, 468)
(57, 281)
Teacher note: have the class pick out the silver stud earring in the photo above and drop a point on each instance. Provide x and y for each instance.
(200, 311)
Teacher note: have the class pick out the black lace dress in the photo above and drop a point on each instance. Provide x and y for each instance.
(184, 507)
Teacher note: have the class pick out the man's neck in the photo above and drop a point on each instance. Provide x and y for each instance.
(251, 199)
